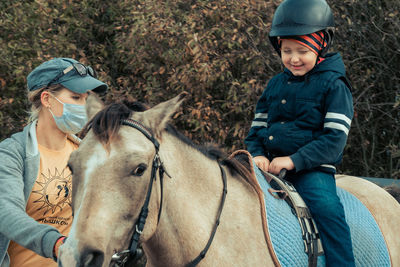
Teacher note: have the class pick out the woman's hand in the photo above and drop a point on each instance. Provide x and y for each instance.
(57, 245)
(279, 163)
(262, 162)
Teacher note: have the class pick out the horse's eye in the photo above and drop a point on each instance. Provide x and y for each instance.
(140, 169)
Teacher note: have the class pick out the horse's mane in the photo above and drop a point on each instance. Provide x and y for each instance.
(107, 122)
(211, 151)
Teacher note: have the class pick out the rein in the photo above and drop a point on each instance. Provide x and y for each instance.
(120, 258)
(221, 206)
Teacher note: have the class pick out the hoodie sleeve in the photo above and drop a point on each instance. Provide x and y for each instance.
(15, 223)
(328, 147)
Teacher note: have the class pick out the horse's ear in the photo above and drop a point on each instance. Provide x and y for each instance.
(158, 116)
(93, 105)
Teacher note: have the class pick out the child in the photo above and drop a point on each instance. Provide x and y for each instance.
(303, 118)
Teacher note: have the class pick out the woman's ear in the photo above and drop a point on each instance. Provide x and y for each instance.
(45, 99)
(93, 105)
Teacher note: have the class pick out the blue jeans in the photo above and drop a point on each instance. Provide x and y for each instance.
(318, 190)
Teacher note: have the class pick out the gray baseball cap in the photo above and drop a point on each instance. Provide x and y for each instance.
(68, 72)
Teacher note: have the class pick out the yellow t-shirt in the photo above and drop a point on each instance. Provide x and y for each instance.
(49, 202)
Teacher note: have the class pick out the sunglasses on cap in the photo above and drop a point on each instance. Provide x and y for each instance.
(81, 69)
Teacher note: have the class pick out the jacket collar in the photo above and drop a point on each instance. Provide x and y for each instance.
(31, 140)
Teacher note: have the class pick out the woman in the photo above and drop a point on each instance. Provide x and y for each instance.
(35, 181)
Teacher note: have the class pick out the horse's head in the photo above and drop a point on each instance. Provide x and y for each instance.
(111, 176)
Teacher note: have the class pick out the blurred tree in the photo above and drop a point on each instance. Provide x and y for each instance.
(218, 51)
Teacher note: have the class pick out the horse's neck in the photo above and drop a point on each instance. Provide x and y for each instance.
(191, 200)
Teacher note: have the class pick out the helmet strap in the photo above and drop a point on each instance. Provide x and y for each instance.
(275, 44)
(328, 39)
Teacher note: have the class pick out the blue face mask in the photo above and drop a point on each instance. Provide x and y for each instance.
(73, 118)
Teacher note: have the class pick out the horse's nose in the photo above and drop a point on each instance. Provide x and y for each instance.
(91, 258)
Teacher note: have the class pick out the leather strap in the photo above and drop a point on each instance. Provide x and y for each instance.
(121, 258)
(221, 206)
(285, 190)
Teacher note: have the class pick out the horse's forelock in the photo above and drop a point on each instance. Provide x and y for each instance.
(107, 122)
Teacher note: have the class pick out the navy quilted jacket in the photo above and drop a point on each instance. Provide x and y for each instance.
(307, 118)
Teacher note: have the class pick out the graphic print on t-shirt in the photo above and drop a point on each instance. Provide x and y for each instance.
(53, 191)
(48, 203)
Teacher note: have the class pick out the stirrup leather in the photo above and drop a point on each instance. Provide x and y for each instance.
(282, 189)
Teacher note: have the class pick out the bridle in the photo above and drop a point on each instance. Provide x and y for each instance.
(120, 258)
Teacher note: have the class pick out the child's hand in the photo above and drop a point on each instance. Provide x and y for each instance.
(262, 162)
(277, 164)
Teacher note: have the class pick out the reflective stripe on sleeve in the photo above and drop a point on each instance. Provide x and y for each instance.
(337, 126)
(261, 116)
(328, 166)
(338, 116)
(259, 124)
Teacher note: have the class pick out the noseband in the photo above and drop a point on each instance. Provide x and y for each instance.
(120, 258)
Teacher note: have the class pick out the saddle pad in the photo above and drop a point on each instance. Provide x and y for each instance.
(369, 246)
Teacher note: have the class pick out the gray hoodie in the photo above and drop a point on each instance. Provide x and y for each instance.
(19, 168)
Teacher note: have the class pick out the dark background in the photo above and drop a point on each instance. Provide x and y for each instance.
(218, 51)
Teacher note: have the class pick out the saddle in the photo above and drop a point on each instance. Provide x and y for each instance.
(289, 229)
(283, 189)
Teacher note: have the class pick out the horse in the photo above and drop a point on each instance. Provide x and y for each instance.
(136, 179)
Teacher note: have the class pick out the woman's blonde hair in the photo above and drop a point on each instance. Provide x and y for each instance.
(36, 103)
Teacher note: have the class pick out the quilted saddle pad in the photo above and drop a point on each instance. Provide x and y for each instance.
(369, 246)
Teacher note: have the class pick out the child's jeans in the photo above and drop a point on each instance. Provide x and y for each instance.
(318, 190)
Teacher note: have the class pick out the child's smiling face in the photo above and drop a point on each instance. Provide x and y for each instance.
(296, 57)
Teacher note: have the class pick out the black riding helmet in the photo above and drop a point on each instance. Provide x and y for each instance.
(300, 17)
